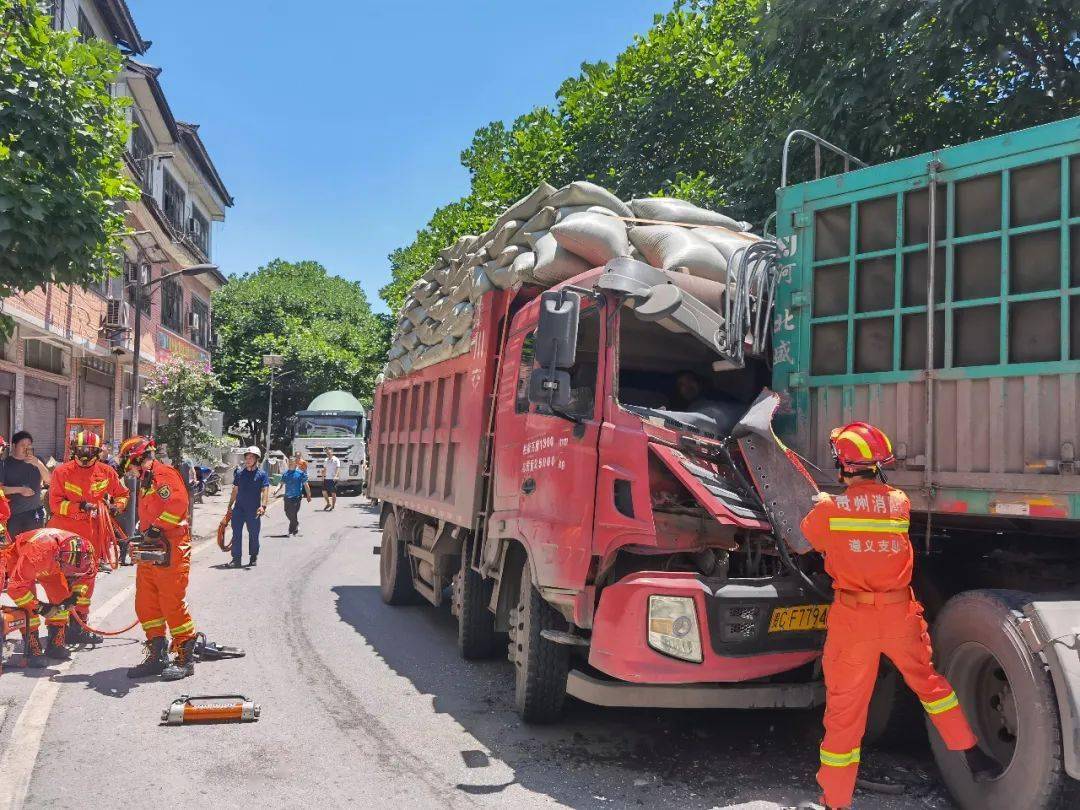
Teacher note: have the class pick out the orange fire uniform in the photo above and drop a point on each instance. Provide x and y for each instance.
(36, 559)
(5, 509)
(72, 486)
(160, 591)
(863, 535)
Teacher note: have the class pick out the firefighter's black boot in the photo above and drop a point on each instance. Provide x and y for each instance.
(32, 654)
(183, 663)
(157, 658)
(55, 647)
(77, 634)
(983, 767)
(124, 553)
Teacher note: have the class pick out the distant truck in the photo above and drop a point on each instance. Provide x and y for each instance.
(337, 421)
(637, 555)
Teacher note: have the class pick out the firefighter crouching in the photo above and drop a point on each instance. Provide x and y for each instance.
(82, 493)
(60, 562)
(164, 562)
(863, 535)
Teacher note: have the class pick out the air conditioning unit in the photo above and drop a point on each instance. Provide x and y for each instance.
(117, 314)
(193, 320)
(136, 273)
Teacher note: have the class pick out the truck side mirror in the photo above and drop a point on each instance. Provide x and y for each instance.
(556, 348)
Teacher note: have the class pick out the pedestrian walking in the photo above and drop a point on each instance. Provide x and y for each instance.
(295, 483)
(23, 478)
(863, 535)
(301, 464)
(330, 474)
(250, 491)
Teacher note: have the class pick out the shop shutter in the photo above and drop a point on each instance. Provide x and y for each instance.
(97, 404)
(39, 417)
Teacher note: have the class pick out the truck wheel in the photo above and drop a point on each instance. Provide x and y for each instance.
(395, 573)
(476, 624)
(540, 666)
(1007, 695)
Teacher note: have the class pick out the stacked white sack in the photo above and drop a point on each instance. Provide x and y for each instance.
(544, 238)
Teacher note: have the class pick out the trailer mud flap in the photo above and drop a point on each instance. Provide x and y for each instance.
(1055, 632)
(786, 488)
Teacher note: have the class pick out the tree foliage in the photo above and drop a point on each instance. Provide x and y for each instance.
(322, 325)
(698, 106)
(184, 393)
(62, 138)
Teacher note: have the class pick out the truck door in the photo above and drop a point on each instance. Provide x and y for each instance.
(552, 464)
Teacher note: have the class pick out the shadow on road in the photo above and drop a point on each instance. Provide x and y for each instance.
(595, 756)
(112, 683)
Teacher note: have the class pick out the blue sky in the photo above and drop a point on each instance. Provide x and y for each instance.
(337, 124)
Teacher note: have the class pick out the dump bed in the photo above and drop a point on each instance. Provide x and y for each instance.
(993, 427)
(429, 428)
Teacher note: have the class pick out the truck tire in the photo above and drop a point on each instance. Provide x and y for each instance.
(540, 666)
(476, 624)
(395, 572)
(1007, 695)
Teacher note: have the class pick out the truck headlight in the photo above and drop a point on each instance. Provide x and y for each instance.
(673, 627)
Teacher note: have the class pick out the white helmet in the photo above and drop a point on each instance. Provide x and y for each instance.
(255, 451)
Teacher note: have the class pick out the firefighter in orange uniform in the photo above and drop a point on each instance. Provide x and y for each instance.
(79, 493)
(5, 506)
(863, 535)
(161, 587)
(60, 562)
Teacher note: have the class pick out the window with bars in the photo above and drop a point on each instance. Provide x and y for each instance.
(199, 230)
(141, 149)
(200, 333)
(86, 29)
(172, 305)
(1006, 268)
(173, 201)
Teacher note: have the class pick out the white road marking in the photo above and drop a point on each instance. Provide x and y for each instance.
(17, 764)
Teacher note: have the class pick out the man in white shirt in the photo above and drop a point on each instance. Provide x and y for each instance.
(330, 474)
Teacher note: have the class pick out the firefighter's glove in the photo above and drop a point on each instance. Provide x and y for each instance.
(69, 603)
(153, 533)
(115, 510)
(47, 611)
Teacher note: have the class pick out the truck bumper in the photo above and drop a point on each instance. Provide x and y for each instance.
(733, 621)
(694, 696)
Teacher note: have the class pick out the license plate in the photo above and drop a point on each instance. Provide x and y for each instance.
(798, 617)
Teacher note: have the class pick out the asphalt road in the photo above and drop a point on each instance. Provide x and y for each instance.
(366, 703)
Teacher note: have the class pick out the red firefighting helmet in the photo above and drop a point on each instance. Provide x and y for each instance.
(76, 557)
(860, 446)
(86, 445)
(134, 450)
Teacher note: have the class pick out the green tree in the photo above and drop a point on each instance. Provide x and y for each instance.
(184, 393)
(62, 137)
(322, 325)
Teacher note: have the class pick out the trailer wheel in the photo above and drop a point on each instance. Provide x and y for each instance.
(395, 573)
(476, 624)
(540, 666)
(1007, 695)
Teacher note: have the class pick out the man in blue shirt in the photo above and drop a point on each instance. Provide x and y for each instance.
(295, 482)
(250, 491)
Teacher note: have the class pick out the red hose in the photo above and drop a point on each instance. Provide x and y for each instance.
(85, 626)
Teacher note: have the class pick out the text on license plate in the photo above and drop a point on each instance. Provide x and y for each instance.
(798, 617)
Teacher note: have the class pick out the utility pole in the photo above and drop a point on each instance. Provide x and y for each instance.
(272, 362)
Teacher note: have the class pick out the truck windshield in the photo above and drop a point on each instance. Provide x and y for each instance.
(669, 376)
(311, 427)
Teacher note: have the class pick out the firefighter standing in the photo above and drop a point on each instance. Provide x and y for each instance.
(59, 561)
(161, 588)
(80, 492)
(863, 535)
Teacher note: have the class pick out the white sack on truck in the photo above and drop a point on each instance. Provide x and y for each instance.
(555, 263)
(597, 238)
(417, 314)
(669, 209)
(582, 192)
(508, 254)
(503, 236)
(725, 241)
(670, 247)
(460, 320)
(527, 206)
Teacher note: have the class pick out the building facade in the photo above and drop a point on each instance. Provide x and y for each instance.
(72, 351)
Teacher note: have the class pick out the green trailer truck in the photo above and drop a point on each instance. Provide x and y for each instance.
(982, 401)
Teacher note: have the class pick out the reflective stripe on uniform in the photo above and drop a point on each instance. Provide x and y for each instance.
(65, 507)
(82, 600)
(839, 760)
(883, 525)
(152, 623)
(99, 486)
(169, 517)
(25, 599)
(950, 701)
(80, 587)
(70, 487)
(186, 627)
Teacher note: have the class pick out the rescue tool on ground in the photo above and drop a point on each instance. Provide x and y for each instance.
(863, 535)
(188, 709)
